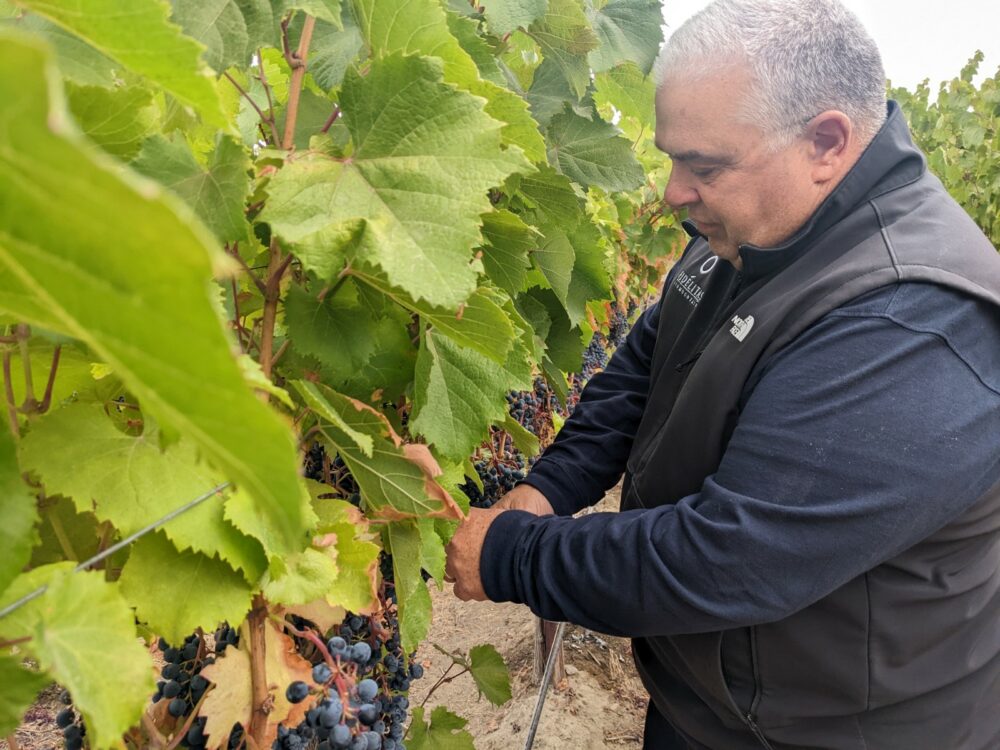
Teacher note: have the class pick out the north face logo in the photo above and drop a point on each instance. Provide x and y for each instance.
(741, 326)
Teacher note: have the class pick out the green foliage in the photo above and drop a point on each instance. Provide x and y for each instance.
(960, 133)
(223, 240)
(444, 731)
(490, 674)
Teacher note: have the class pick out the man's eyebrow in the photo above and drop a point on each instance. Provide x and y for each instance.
(698, 156)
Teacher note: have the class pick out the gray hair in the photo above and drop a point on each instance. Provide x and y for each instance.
(804, 57)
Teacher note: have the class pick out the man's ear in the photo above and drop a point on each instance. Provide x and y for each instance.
(831, 139)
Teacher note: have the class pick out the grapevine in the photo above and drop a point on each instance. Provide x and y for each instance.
(274, 284)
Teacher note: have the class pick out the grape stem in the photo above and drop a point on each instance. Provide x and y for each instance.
(442, 681)
(187, 724)
(14, 642)
(12, 742)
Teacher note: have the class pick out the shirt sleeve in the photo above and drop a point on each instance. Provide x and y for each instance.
(588, 456)
(862, 438)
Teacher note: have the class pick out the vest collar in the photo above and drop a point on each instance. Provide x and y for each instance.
(890, 161)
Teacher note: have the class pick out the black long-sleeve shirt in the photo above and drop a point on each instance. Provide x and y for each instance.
(873, 429)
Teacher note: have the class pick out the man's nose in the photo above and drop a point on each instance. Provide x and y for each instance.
(678, 193)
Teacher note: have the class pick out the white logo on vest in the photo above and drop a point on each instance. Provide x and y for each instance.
(741, 327)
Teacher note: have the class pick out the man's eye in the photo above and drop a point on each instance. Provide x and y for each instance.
(704, 172)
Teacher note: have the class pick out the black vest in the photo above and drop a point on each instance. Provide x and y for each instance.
(815, 680)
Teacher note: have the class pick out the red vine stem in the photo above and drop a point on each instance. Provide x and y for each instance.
(264, 118)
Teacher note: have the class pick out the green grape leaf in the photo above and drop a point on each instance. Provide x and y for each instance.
(144, 41)
(18, 688)
(20, 622)
(466, 31)
(564, 342)
(130, 482)
(338, 331)
(565, 36)
(302, 577)
(231, 30)
(84, 636)
(97, 272)
(592, 152)
(17, 509)
(524, 441)
(445, 731)
(550, 93)
(175, 592)
(406, 547)
(243, 512)
(78, 61)
(629, 30)
(217, 193)
(396, 480)
(432, 554)
(630, 92)
(81, 530)
(458, 395)
(332, 51)
(480, 324)
(509, 242)
(409, 200)
(519, 129)
(326, 10)
(116, 119)
(357, 556)
(572, 261)
(552, 195)
(504, 16)
(490, 674)
(320, 403)
(420, 27)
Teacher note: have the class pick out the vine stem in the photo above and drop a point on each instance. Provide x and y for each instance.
(177, 738)
(47, 397)
(14, 641)
(12, 742)
(256, 623)
(8, 385)
(275, 270)
(442, 681)
(23, 334)
(298, 77)
(264, 118)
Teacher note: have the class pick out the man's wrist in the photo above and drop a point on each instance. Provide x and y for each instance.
(498, 558)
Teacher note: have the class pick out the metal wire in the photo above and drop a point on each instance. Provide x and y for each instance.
(544, 689)
(119, 545)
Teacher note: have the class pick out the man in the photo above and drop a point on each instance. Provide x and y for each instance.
(808, 550)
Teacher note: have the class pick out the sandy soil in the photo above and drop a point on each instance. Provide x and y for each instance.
(600, 704)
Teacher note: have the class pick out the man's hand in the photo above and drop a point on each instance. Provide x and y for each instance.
(466, 545)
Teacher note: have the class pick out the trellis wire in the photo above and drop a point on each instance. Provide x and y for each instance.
(544, 689)
(120, 545)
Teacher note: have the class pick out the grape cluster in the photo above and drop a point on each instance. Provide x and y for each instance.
(320, 467)
(498, 478)
(182, 684)
(362, 706)
(72, 726)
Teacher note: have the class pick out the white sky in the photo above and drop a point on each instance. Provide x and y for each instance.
(918, 39)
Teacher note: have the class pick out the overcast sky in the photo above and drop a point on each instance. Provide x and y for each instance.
(918, 39)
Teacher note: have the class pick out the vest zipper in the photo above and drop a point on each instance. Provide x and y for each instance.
(751, 721)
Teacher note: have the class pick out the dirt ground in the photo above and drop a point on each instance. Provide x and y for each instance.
(600, 704)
